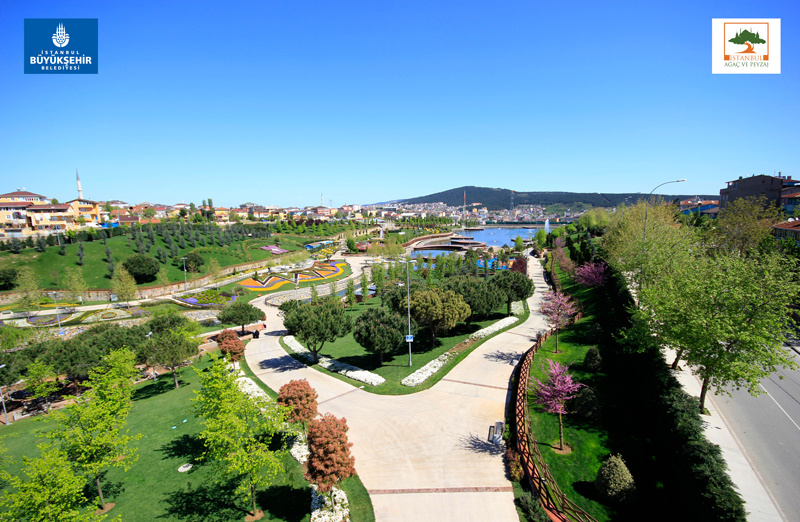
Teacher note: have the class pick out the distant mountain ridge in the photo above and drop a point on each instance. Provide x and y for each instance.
(498, 199)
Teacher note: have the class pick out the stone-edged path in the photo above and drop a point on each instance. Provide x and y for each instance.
(423, 456)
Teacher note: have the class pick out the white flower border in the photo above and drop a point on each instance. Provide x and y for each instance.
(322, 510)
(421, 375)
(518, 308)
(333, 365)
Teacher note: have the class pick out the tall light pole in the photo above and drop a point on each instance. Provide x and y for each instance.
(2, 397)
(644, 242)
(184, 273)
(58, 318)
(408, 297)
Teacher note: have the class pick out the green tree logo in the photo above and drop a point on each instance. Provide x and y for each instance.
(747, 38)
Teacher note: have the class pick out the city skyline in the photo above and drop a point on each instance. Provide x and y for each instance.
(279, 103)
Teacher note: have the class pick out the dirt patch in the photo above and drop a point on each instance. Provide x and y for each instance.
(566, 451)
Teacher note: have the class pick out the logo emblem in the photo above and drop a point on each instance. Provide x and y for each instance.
(60, 38)
(746, 46)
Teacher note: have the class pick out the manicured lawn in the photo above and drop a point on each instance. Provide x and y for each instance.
(575, 471)
(395, 365)
(153, 489)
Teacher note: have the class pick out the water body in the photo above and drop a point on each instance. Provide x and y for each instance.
(496, 237)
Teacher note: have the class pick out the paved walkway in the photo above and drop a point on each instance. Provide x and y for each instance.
(423, 456)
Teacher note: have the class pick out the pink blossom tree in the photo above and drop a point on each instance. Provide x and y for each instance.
(558, 309)
(591, 274)
(554, 394)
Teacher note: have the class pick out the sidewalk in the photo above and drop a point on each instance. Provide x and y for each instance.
(423, 456)
(758, 504)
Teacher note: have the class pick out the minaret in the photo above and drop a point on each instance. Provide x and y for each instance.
(80, 190)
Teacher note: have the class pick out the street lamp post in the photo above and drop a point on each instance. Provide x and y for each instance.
(184, 273)
(408, 297)
(644, 241)
(58, 318)
(3, 398)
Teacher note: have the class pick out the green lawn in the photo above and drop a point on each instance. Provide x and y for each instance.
(574, 472)
(153, 488)
(395, 365)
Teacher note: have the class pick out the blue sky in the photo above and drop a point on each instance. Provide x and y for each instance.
(278, 102)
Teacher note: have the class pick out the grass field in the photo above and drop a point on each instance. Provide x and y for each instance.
(395, 366)
(153, 489)
(575, 471)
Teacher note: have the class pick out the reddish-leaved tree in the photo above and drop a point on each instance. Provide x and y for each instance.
(330, 460)
(558, 308)
(520, 265)
(591, 274)
(563, 261)
(554, 394)
(230, 345)
(301, 398)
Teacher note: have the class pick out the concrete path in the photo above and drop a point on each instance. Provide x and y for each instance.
(423, 456)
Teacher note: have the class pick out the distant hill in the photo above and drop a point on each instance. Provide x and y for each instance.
(497, 198)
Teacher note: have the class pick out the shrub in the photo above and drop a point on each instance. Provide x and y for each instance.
(514, 464)
(592, 361)
(330, 460)
(532, 508)
(230, 345)
(143, 268)
(586, 405)
(614, 482)
(301, 398)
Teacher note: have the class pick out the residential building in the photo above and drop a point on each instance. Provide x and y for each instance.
(788, 229)
(771, 187)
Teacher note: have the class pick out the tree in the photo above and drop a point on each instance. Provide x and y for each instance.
(91, 430)
(481, 297)
(743, 225)
(317, 322)
(541, 237)
(214, 270)
(330, 460)
(237, 430)
(8, 276)
(242, 313)
(591, 274)
(378, 278)
(350, 294)
(747, 38)
(438, 310)
(51, 492)
(149, 212)
(554, 394)
(515, 286)
(230, 345)
(520, 265)
(41, 381)
(75, 284)
(81, 253)
(727, 316)
(558, 309)
(379, 332)
(143, 268)
(123, 285)
(170, 350)
(161, 277)
(364, 286)
(351, 245)
(519, 244)
(28, 287)
(193, 261)
(301, 399)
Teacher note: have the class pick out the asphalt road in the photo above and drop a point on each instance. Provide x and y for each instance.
(768, 428)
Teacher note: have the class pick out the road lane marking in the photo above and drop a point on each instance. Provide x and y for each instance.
(779, 406)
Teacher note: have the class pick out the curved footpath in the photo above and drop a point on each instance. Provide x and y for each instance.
(423, 456)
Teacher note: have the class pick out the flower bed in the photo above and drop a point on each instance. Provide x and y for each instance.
(421, 375)
(208, 298)
(518, 308)
(333, 365)
(48, 320)
(299, 449)
(492, 329)
(324, 510)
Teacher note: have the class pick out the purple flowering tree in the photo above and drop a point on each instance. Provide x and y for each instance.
(591, 274)
(555, 392)
(558, 309)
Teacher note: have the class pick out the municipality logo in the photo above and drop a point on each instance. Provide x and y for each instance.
(746, 46)
(60, 38)
(60, 52)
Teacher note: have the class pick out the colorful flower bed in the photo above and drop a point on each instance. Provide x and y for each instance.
(321, 270)
(208, 298)
(333, 365)
(48, 320)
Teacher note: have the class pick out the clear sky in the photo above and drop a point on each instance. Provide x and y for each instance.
(280, 101)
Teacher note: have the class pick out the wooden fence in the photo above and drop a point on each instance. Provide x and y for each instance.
(558, 507)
